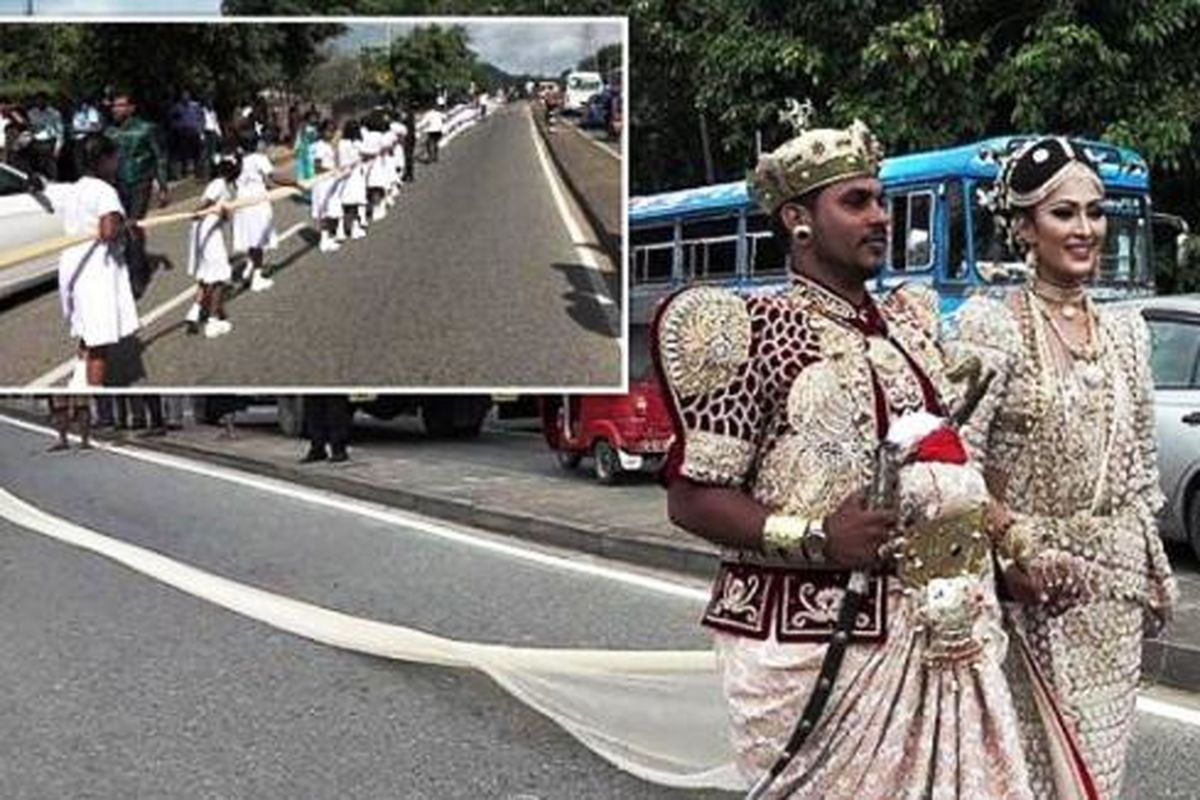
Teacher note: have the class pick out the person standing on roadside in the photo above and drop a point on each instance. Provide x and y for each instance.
(141, 165)
(46, 124)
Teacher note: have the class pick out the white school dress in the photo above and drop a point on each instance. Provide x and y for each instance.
(389, 158)
(325, 201)
(93, 281)
(372, 148)
(354, 188)
(208, 258)
(254, 226)
(400, 132)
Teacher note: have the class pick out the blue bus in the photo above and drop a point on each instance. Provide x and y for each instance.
(942, 230)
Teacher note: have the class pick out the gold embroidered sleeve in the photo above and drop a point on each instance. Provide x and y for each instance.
(704, 339)
(985, 329)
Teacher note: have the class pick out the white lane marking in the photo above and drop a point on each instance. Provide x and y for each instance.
(582, 249)
(64, 369)
(578, 240)
(390, 516)
(1171, 711)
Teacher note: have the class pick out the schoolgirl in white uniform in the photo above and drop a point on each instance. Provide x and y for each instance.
(254, 225)
(93, 280)
(353, 195)
(208, 258)
(326, 191)
(372, 152)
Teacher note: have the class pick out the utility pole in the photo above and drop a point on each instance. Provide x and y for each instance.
(29, 8)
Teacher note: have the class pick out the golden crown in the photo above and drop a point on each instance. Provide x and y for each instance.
(812, 160)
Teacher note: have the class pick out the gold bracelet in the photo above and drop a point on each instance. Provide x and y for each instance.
(785, 533)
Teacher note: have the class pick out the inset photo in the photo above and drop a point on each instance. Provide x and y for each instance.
(349, 203)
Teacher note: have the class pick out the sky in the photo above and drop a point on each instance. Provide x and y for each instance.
(540, 48)
(534, 47)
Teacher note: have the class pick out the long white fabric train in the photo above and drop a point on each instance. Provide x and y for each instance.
(659, 715)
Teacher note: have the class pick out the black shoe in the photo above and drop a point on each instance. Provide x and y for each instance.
(193, 327)
(314, 454)
(339, 455)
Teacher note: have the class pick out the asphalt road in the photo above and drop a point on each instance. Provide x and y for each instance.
(117, 686)
(472, 280)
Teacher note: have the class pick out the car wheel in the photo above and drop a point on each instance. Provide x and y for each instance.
(608, 464)
(568, 459)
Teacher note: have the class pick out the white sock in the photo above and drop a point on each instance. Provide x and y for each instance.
(193, 314)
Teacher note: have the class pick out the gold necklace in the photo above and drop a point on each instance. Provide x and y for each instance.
(1069, 300)
(1090, 350)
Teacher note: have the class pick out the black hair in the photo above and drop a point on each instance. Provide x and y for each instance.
(229, 164)
(783, 236)
(96, 147)
(351, 130)
(376, 121)
(327, 125)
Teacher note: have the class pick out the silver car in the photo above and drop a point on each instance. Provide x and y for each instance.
(31, 210)
(1175, 361)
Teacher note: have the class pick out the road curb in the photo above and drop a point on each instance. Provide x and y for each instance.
(1166, 663)
(609, 241)
(618, 543)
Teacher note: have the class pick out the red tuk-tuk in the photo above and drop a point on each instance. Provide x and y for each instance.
(621, 433)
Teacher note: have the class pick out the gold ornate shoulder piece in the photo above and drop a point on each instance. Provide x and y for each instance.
(919, 303)
(703, 339)
(987, 322)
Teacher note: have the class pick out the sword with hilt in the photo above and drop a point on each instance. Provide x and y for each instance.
(883, 492)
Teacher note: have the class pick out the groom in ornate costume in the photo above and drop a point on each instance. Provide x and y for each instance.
(781, 402)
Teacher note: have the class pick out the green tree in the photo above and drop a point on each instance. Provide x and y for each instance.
(430, 60)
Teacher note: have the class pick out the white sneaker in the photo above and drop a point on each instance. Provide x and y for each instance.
(380, 212)
(357, 232)
(328, 245)
(214, 328)
(260, 283)
(226, 325)
(341, 234)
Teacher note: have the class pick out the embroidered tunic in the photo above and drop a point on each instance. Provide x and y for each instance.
(1071, 441)
(786, 397)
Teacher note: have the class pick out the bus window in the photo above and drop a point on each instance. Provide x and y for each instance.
(994, 257)
(956, 225)
(763, 253)
(651, 253)
(1124, 258)
(710, 249)
(912, 235)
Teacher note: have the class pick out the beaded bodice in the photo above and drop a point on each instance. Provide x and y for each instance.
(1068, 439)
(788, 394)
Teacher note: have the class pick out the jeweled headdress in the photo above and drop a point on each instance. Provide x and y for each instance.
(812, 160)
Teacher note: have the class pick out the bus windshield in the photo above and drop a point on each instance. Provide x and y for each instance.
(1124, 261)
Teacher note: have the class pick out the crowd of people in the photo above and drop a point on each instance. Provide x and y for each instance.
(351, 172)
(41, 136)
